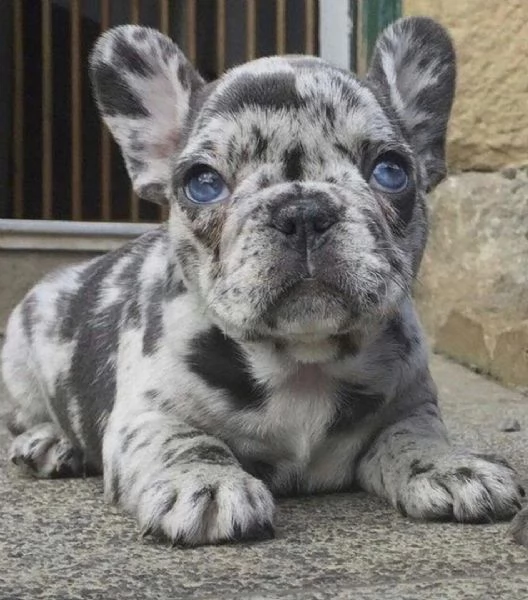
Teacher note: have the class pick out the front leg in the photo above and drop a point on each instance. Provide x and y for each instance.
(182, 483)
(411, 463)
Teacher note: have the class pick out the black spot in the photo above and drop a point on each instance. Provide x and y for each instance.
(187, 257)
(255, 532)
(188, 435)
(169, 457)
(13, 427)
(127, 58)
(261, 143)
(355, 402)
(154, 192)
(220, 361)
(404, 204)
(345, 152)
(140, 34)
(400, 508)
(329, 113)
(263, 181)
(128, 439)
(208, 492)
(403, 433)
(275, 91)
(168, 504)
(114, 93)
(28, 315)
(346, 346)
(143, 444)
(135, 165)
(130, 282)
(152, 394)
(205, 453)
(153, 331)
(260, 469)
(293, 159)
(417, 467)
(183, 75)
(375, 231)
(166, 405)
(465, 473)
(115, 487)
(397, 334)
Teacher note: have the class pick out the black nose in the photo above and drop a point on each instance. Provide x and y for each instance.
(303, 221)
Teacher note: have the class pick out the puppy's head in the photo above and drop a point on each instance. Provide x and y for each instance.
(296, 190)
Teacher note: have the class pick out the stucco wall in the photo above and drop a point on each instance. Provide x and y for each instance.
(489, 128)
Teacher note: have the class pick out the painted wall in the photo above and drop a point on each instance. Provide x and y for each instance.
(489, 129)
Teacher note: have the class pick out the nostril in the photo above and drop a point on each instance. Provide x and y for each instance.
(322, 224)
(287, 226)
(303, 218)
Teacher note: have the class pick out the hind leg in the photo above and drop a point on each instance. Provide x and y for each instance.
(45, 452)
(39, 445)
(25, 398)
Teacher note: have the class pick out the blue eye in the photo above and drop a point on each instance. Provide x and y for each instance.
(204, 185)
(389, 176)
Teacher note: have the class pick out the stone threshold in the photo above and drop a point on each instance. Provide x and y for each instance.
(76, 236)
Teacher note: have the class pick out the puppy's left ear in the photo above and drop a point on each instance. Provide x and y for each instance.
(414, 69)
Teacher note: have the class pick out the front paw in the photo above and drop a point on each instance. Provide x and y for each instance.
(209, 506)
(465, 487)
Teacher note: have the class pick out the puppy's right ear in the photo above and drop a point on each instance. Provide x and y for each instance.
(143, 86)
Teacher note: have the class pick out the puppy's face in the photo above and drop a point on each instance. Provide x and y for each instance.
(296, 190)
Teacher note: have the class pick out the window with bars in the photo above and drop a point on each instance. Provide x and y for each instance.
(60, 162)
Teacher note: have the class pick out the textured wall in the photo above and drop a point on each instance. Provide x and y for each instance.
(490, 122)
(472, 293)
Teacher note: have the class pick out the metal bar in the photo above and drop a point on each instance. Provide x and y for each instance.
(76, 108)
(26, 234)
(220, 36)
(190, 15)
(47, 112)
(134, 11)
(280, 26)
(106, 147)
(164, 17)
(134, 200)
(18, 111)
(360, 40)
(81, 228)
(310, 28)
(251, 29)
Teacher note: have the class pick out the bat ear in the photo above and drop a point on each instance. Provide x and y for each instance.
(143, 86)
(414, 68)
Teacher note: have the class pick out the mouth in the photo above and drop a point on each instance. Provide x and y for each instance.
(310, 307)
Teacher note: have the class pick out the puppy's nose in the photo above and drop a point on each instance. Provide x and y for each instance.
(303, 222)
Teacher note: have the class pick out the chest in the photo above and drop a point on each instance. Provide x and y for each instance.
(305, 436)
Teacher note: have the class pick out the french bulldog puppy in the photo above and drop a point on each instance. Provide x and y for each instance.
(264, 341)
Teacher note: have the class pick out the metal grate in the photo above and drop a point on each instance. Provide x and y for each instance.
(64, 164)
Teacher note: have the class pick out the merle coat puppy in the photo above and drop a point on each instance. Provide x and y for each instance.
(264, 341)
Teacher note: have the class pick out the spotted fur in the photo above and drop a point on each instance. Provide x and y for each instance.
(267, 344)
